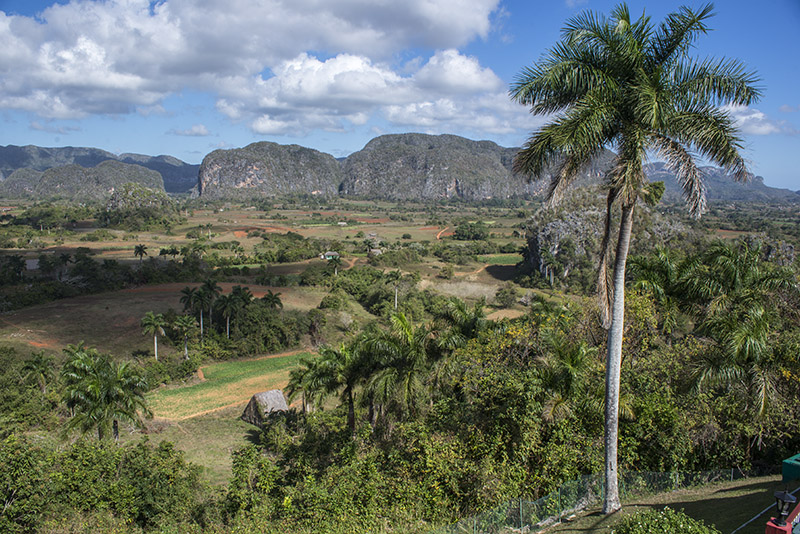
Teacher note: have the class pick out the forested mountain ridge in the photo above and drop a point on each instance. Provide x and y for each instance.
(177, 175)
(412, 166)
(77, 183)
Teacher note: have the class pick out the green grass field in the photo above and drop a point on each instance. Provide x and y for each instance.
(226, 384)
(501, 259)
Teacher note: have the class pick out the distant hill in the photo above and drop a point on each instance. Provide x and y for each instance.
(77, 183)
(722, 187)
(177, 176)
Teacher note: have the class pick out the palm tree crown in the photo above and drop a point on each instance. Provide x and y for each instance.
(101, 392)
(614, 82)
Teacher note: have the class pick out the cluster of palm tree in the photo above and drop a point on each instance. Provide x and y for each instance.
(207, 299)
(390, 372)
(100, 393)
(730, 290)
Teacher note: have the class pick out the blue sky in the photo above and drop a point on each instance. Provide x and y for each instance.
(184, 77)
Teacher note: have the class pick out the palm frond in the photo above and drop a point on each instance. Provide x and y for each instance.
(713, 133)
(677, 33)
(715, 82)
(681, 162)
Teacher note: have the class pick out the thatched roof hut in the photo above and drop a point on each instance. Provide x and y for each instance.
(262, 404)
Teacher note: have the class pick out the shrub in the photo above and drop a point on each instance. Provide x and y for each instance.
(666, 521)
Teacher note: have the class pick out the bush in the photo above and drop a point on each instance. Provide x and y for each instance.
(666, 521)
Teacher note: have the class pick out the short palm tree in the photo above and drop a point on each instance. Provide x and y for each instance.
(401, 364)
(140, 251)
(338, 370)
(615, 82)
(100, 392)
(153, 324)
(40, 368)
(272, 300)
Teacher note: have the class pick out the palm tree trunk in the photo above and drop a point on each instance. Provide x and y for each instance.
(395, 297)
(186, 347)
(351, 411)
(228, 327)
(115, 429)
(611, 503)
(201, 325)
(155, 346)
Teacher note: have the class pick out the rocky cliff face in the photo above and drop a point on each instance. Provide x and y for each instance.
(721, 187)
(77, 183)
(428, 167)
(268, 169)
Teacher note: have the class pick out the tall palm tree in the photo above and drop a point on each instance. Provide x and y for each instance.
(203, 299)
(212, 290)
(153, 324)
(614, 82)
(185, 324)
(140, 251)
(394, 277)
(228, 306)
(190, 298)
(40, 368)
(335, 262)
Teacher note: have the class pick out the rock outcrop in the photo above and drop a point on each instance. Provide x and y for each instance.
(268, 169)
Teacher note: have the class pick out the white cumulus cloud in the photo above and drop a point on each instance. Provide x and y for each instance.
(99, 57)
(754, 122)
(197, 130)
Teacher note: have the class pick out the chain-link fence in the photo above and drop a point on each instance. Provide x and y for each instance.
(522, 516)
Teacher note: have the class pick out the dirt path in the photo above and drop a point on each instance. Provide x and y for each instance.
(439, 235)
(476, 271)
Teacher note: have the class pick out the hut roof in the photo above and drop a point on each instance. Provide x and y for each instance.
(262, 404)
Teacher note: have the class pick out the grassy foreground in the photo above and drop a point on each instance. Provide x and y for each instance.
(726, 505)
